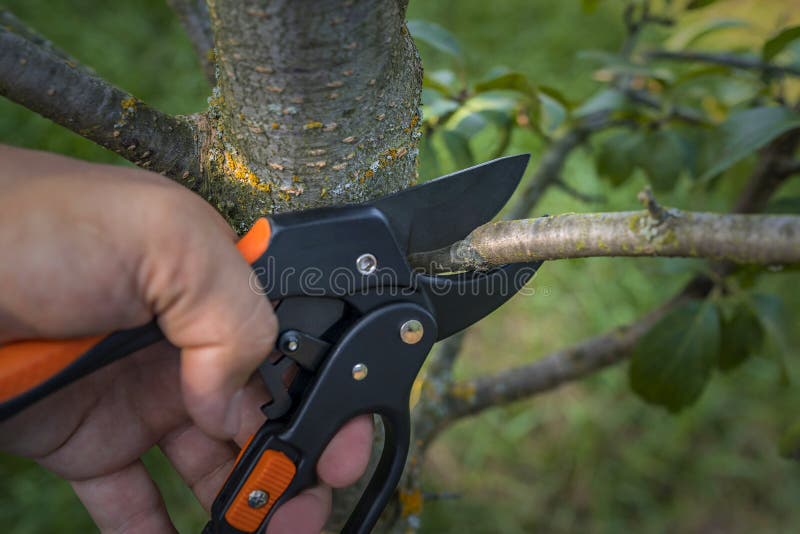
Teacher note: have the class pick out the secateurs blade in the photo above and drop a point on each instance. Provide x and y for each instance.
(356, 324)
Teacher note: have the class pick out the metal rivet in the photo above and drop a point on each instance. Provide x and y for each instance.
(411, 331)
(292, 345)
(366, 264)
(257, 498)
(360, 371)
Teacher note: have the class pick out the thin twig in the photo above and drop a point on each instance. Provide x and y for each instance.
(728, 60)
(790, 167)
(442, 361)
(587, 357)
(681, 113)
(636, 20)
(549, 170)
(648, 200)
(194, 17)
(769, 174)
(40, 77)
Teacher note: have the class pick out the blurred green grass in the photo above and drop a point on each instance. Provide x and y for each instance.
(589, 457)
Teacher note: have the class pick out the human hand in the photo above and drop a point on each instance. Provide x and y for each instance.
(89, 249)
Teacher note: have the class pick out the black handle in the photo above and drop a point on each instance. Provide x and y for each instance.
(371, 370)
(83, 361)
(387, 474)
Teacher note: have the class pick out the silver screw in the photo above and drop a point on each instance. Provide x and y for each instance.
(411, 331)
(257, 498)
(366, 264)
(360, 371)
(292, 345)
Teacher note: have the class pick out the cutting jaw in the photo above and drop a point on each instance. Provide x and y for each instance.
(436, 214)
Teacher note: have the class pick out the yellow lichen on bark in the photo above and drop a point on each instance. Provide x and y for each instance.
(236, 168)
(128, 104)
(410, 502)
(463, 390)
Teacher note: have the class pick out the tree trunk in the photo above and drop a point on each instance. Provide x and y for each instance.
(317, 103)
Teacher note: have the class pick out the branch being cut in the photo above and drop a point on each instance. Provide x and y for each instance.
(753, 239)
(35, 74)
(589, 356)
(194, 17)
(726, 60)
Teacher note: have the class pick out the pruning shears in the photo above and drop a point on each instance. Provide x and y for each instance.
(356, 324)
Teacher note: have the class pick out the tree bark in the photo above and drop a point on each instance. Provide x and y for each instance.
(43, 78)
(317, 103)
(753, 239)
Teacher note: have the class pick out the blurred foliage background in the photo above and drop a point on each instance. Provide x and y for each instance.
(590, 456)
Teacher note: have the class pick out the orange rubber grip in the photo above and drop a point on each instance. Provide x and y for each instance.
(26, 364)
(255, 242)
(268, 480)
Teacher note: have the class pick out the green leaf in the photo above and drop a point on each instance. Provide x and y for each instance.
(617, 155)
(467, 122)
(784, 205)
(772, 314)
(789, 445)
(439, 84)
(428, 159)
(444, 78)
(706, 84)
(745, 132)
(553, 113)
(777, 44)
(605, 100)
(508, 83)
(661, 158)
(616, 64)
(458, 147)
(434, 107)
(589, 6)
(497, 100)
(694, 142)
(673, 361)
(741, 336)
(697, 4)
(436, 36)
(515, 81)
(691, 34)
(495, 106)
(556, 95)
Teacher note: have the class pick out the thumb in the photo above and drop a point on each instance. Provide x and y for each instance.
(207, 306)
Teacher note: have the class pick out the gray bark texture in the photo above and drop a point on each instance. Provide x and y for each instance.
(754, 239)
(317, 103)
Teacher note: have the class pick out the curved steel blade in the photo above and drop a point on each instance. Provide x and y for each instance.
(463, 299)
(444, 210)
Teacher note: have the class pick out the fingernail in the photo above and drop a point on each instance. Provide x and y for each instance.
(233, 416)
